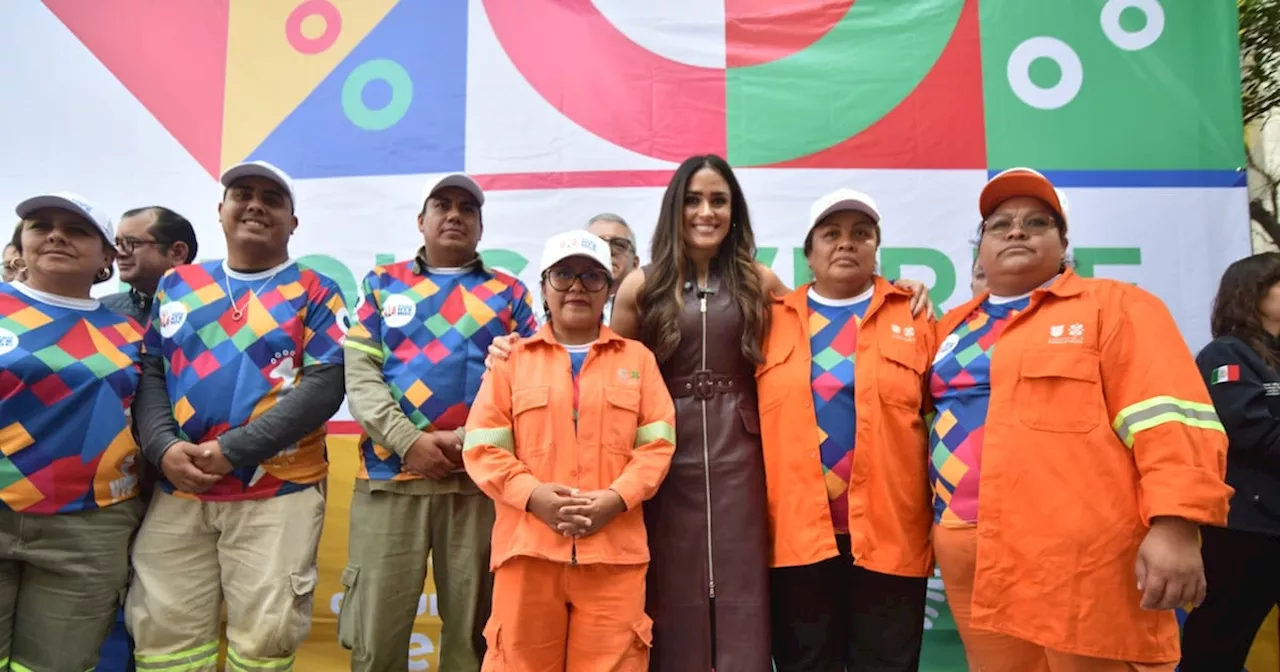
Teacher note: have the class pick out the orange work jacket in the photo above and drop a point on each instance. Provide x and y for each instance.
(890, 503)
(1098, 422)
(520, 434)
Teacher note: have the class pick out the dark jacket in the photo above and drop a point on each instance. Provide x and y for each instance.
(132, 303)
(138, 306)
(1246, 394)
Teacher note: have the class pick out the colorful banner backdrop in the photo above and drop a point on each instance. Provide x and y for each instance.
(565, 108)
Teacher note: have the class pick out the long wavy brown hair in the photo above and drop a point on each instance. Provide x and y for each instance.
(661, 300)
(1235, 309)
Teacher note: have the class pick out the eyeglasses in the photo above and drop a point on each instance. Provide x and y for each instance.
(562, 279)
(1034, 225)
(620, 245)
(128, 245)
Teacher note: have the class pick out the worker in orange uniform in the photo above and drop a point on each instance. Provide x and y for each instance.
(840, 393)
(569, 435)
(1074, 453)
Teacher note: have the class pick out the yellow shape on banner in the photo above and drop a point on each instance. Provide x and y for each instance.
(278, 52)
(321, 652)
(1265, 654)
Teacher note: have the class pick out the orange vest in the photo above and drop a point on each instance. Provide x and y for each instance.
(1098, 422)
(890, 512)
(520, 434)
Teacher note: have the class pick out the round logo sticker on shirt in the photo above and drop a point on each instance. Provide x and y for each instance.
(398, 311)
(948, 344)
(172, 316)
(8, 341)
(343, 319)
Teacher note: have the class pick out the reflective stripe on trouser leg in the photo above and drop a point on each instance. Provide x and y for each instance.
(239, 663)
(197, 659)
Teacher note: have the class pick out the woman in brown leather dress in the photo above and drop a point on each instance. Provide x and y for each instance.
(702, 307)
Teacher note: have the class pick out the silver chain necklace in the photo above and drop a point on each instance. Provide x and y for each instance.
(237, 313)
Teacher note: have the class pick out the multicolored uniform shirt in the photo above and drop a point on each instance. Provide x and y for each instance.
(833, 341)
(431, 330)
(69, 369)
(223, 369)
(577, 357)
(961, 390)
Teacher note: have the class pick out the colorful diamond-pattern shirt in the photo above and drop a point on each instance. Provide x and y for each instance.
(961, 390)
(69, 369)
(577, 357)
(432, 332)
(235, 343)
(833, 342)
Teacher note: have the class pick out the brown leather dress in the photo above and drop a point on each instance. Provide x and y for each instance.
(708, 583)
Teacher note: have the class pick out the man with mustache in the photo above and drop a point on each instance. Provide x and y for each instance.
(242, 367)
(414, 361)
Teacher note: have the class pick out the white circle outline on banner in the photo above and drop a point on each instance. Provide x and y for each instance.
(1133, 41)
(1019, 72)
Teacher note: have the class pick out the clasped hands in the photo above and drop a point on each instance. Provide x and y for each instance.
(574, 513)
(194, 468)
(434, 455)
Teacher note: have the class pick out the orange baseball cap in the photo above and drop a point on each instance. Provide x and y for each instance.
(1021, 182)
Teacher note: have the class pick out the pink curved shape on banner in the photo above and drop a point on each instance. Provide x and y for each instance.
(760, 31)
(598, 77)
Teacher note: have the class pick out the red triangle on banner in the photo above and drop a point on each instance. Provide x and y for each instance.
(171, 55)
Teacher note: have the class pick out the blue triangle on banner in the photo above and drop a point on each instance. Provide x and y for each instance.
(396, 106)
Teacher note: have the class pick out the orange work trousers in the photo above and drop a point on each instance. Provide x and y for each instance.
(956, 549)
(552, 617)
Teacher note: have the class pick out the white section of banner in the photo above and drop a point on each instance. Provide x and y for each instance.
(511, 128)
(67, 124)
(681, 30)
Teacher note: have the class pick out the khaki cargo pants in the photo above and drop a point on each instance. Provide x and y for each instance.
(62, 578)
(391, 535)
(259, 555)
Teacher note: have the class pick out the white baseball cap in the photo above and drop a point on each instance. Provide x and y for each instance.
(841, 200)
(577, 244)
(72, 203)
(260, 169)
(459, 180)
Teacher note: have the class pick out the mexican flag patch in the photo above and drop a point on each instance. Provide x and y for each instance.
(1225, 374)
